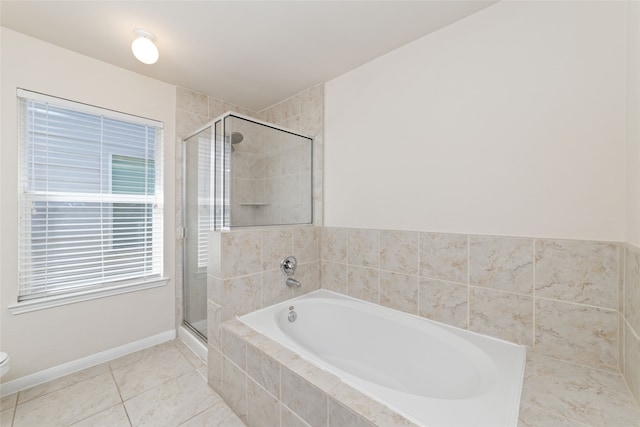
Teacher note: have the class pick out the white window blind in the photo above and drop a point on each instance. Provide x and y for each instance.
(91, 200)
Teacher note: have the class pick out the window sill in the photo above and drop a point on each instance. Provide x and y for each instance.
(58, 300)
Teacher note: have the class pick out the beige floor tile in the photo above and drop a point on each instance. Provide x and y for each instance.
(8, 401)
(139, 355)
(171, 403)
(6, 417)
(115, 416)
(70, 404)
(62, 382)
(219, 415)
(154, 369)
(189, 354)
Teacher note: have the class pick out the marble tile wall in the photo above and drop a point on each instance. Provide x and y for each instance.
(630, 319)
(243, 276)
(558, 297)
(193, 110)
(304, 113)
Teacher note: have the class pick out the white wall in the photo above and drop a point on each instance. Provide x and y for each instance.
(508, 122)
(633, 123)
(47, 338)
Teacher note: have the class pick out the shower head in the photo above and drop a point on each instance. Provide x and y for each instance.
(236, 137)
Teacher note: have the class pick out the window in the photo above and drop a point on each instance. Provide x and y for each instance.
(90, 198)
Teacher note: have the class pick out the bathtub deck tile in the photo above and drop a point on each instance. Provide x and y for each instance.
(321, 378)
(585, 395)
(340, 416)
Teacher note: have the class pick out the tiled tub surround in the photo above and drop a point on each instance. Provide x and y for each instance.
(244, 275)
(559, 297)
(270, 386)
(448, 376)
(267, 384)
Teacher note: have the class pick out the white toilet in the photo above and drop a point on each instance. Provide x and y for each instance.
(4, 363)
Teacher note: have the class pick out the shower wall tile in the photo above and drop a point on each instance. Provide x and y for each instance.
(276, 244)
(577, 332)
(363, 247)
(631, 309)
(333, 244)
(307, 275)
(249, 165)
(241, 295)
(186, 124)
(311, 122)
(216, 107)
(503, 263)
(444, 256)
(241, 253)
(274, 289)
(501, 314)
(400, 251)
(305, 244)
(445, 302)
(290, 108)
(312, 99)
(193, 102)
(333, 276)
(576, 271)
(363, 283)
(303, 113)
(399, 291)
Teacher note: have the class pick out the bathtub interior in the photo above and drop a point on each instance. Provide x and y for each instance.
(445, 375)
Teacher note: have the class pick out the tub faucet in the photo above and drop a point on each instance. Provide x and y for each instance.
(291, 282)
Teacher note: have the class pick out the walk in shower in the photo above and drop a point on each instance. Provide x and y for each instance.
(238, 172)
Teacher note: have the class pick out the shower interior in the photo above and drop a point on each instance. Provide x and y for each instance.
(238, 172)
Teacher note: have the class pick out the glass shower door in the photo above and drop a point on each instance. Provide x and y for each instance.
(197, 221)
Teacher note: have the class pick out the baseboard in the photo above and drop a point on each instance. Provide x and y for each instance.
(191, 341)
(31, 380)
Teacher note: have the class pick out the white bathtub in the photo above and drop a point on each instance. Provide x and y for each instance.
(433, 374)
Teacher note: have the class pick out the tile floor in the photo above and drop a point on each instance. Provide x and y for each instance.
(163, 385)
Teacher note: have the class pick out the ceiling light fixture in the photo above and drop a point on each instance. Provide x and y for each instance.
(143, 47)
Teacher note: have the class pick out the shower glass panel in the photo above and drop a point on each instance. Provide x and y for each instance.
(197, 220)
(238, 172)
(268, 174)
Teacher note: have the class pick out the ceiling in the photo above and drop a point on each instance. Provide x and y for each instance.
(249, 53)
